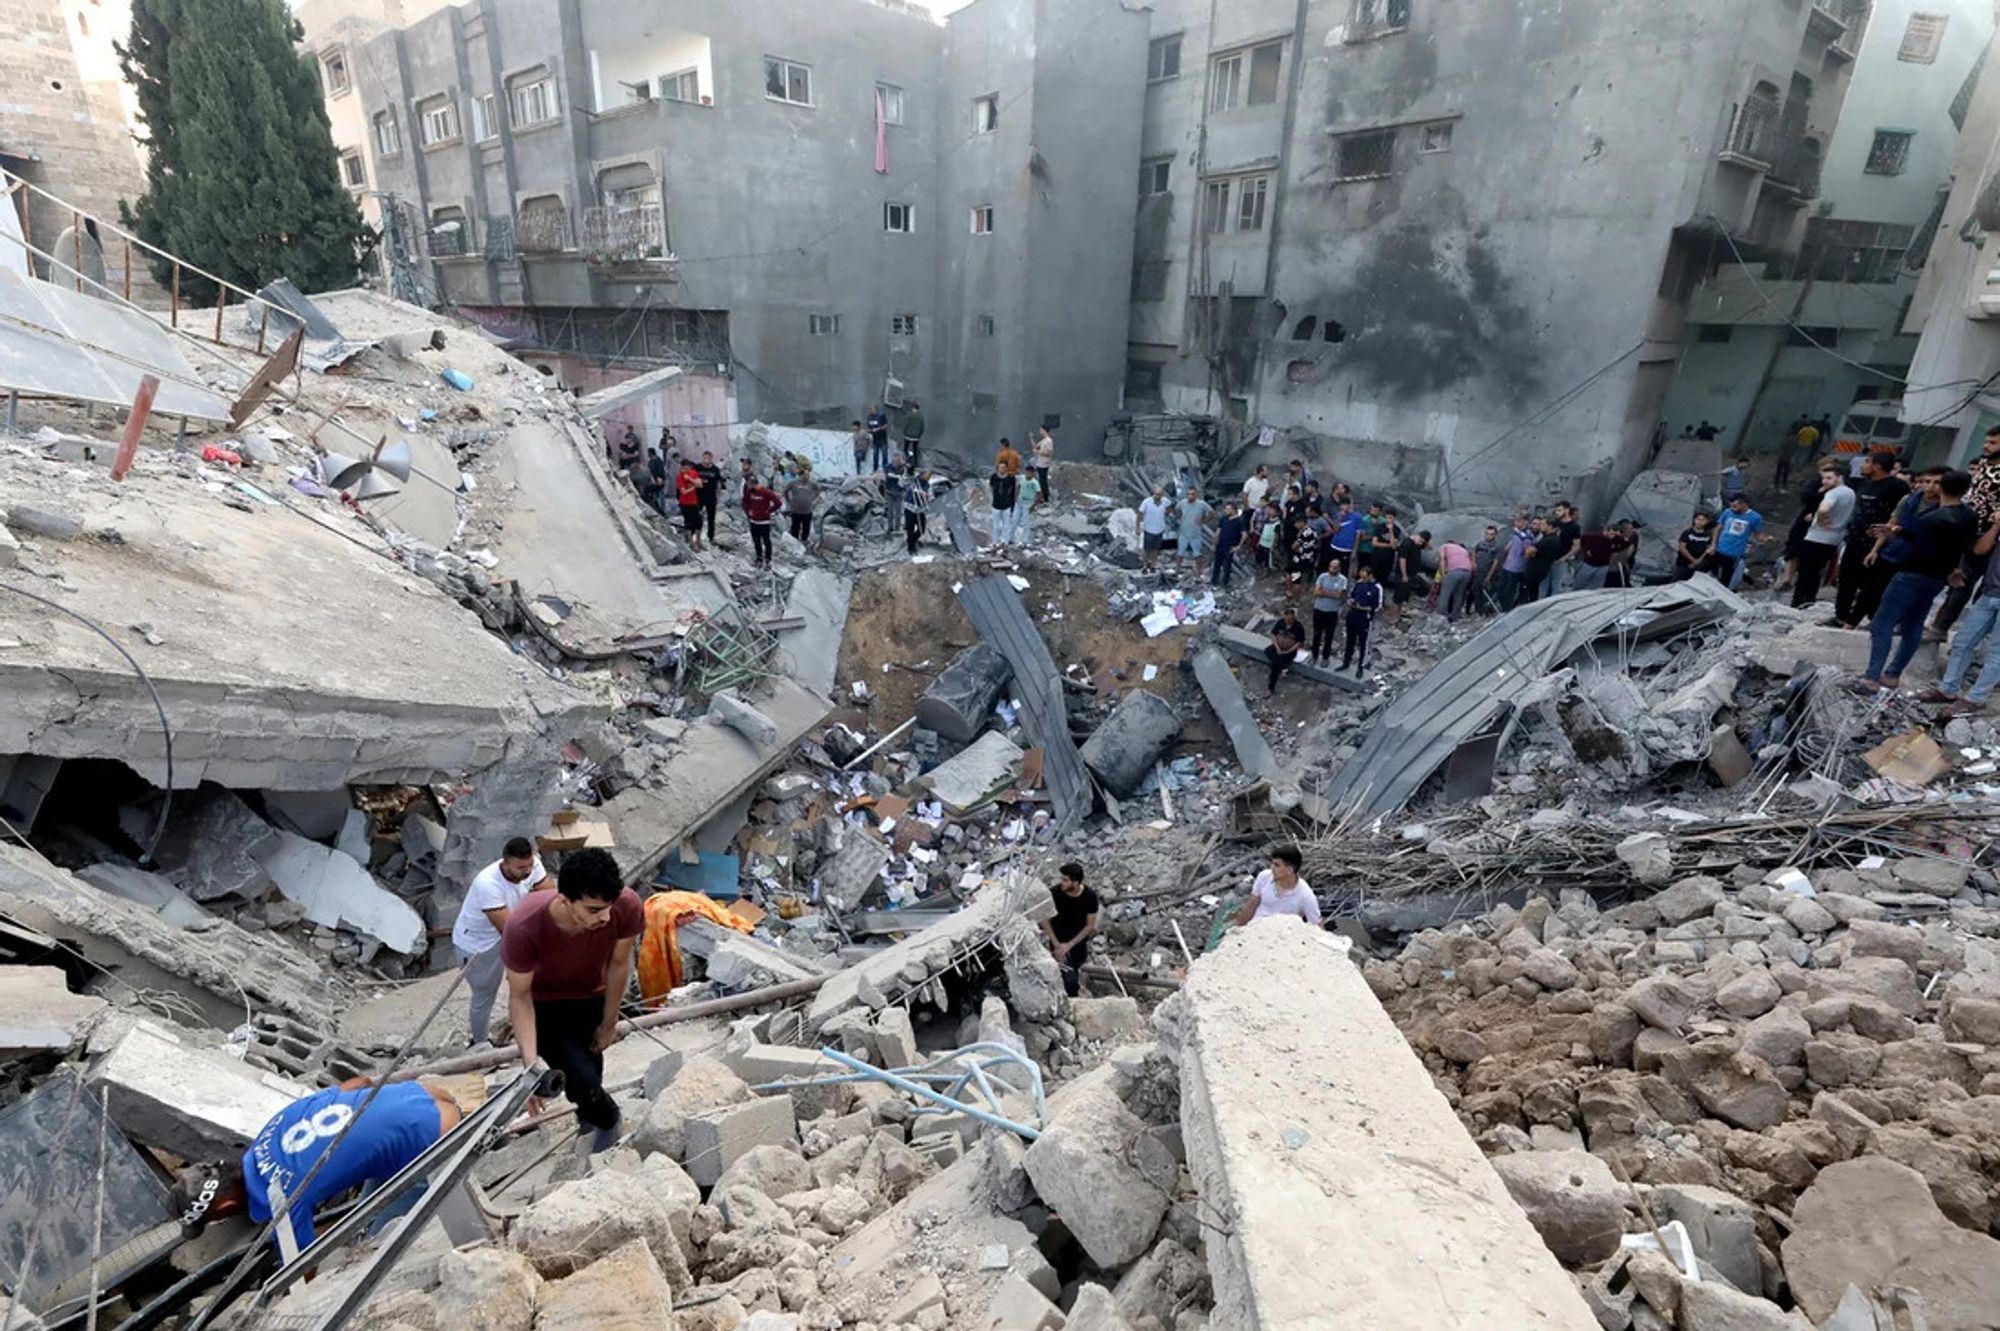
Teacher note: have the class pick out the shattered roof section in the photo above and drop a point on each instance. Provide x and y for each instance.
(71, 344)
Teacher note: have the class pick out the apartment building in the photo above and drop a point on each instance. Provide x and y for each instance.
(1449, 248)
(834, 203)
(1810, 333)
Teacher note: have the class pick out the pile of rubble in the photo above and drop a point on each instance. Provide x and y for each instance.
(1791, 1078)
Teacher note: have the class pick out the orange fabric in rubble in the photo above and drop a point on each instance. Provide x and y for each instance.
(659, 947)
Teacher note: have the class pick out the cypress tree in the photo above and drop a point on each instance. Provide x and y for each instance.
(243, 179)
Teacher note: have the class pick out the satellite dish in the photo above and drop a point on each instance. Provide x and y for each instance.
(395, 459)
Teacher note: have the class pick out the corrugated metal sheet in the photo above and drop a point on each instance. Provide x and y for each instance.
(1474, 689)
(995, 609)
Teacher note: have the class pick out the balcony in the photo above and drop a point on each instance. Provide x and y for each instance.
(449, 241)
(542, 231)
(1795, 165)
(625, 237)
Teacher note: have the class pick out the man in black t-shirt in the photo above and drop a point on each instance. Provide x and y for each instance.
(1937, 541)
(711, 490)
(1878, 493)
(1069, 930)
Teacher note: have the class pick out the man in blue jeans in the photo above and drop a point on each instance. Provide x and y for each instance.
(1977, 625)
(1937, 541)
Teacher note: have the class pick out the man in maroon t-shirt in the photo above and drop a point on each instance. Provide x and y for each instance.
(569, 958)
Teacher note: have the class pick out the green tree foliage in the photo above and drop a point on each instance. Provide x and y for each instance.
(243, 179)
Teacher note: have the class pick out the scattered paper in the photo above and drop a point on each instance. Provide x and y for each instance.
(1159, 622)
(1151, 673)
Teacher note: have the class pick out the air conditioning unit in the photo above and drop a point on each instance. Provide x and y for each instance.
(892, 393)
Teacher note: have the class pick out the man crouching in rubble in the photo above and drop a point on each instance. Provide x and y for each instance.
(569, 958)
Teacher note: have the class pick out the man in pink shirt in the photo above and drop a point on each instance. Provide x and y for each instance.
(1455, 579)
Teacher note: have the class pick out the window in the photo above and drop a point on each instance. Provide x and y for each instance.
(388, 140)
(531, 99)
(1378, 18)
(1250, 203)
(1817, 335)
(1713, 332)
(450, 234)
(1922, 38)
(437, 121)
(1142, 382)
(1215, 209)
(352, 171)
(1436, 138)
(1154, 175)
(333, 67)
(892, 103)
(1246, 78)
(788, 81)
(899, 217)
(823, 325)
(683, 85)
(902, 325)
(986, 113)
(485, 119)
(1367, 156)
(1163, 58)
(985, 325)
(982, 220)
(1890, 152)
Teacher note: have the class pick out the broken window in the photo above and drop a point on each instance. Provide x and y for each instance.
(1378, 18)
(1153, 175)
(333, 65)
(982, 220)
(1367, 156)
(1163, 58)
(1305, 328)
(1149, 279)
(985, 325)
(450, 233)
(352, 171)
(1819, 335)
(1264, 62)
(437, 121)
(388, 140)
(531, 98)
(899, 217)
(1713, 332)
(1142, 383)
(485, 119)
(1250, 203)
(892, 103)
(1890, 152)
(683, 85)
(986, 113)
(1922, 38)
(788, 81)
(902, 325)
(1436, 138)
(823, 325)
(1215, 209)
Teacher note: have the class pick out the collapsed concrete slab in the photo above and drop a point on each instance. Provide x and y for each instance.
(960, 701)
(972, 778)
(337, 892)
(1311, 1128)
(211, 843)
(1225, 696)
(736, 962)
(196, 1103)
(155, 892)
(811, 652)
(38, 1013)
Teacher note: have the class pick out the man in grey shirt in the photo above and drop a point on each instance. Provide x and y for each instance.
(1822, 540)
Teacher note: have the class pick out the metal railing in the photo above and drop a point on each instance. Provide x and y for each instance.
(448, 242)
(542, 231)
(625, 235)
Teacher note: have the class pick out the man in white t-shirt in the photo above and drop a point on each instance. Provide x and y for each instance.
(1280, 891)
(495, 891)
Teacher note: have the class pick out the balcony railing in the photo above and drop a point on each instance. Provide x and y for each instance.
(542, 231)
(448, 242)
(625, 235)
(1795, 164)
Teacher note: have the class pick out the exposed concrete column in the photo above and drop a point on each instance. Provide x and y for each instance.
(1343, 1189)
(514, 797)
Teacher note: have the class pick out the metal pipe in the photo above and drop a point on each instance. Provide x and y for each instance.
(871, 749)
(505, 1054)
(909, 1087)
(1129, 977)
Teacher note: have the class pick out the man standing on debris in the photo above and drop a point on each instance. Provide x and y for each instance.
(1255, 488)
(1733, 477)
(1455, 571)
(760, 505)
(801, 497)
(1514, 564)
(1741, 524)
(1569, 530)
(630, 451)
(861, 443)
(569, 958)
(490, 901)
(1409, 578)
(1691, 551)
(1045, 462)
(1070, 929)
(656, 475)
(1194, 511)
(687, 490)
(1364, 602)
(1153, 526)
(1005, 487)
(711, 489)
(400, 1123)
(1347, 527)
(1977, 627)
(1328, 591)
(1828, 528)
(1486, 557)
(1878, 493)
(1938, 541)
(913, 432)
(878, 435)
(1287, 636)
(916, 510)
(1594, 552)
(1228, 536)
(1983, 500)
(1280, 891)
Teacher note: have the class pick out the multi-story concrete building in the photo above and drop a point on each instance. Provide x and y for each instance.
(1810, 333)
(843, 202)
(1450, 247)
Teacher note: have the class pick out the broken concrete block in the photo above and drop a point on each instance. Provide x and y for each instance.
(1106, 1174)
(1225, 698)
(199, 1104)
(716, 1138)
(318, 815)
(959, 702)
(213, 844)
(337, 892)
(924, 1293)
(738, 963)
(38, 1013)
(661, 1072)
(1034, 977)
(1106, 1020)
(41, 522)
(895, 1037)
(1737, 1088)
(703, 1083)
(625, 1290)
(852, 871)
(1570, 1198)
(971, 778)
(582, 1220)
(1018, 1306)
(758, 1064)
(775, 1171)
(1095, 1310)
(1722, 1225)
(1707, 1305)
(745, 720)
(486, 1289)
(1124, 749)
(156, 892)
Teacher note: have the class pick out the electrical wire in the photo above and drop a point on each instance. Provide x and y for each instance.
(166, 730)
(1550, 409)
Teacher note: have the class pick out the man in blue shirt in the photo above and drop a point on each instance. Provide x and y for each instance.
(402, 1121)
(1741, 524)
(1364, 601)
(1346, 532)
